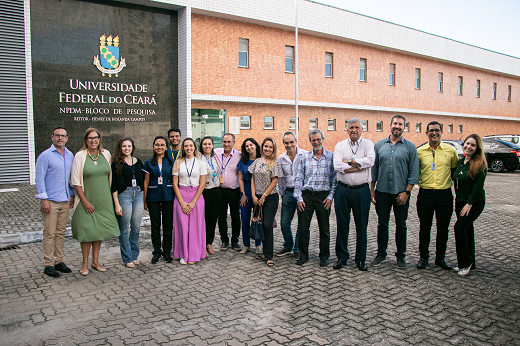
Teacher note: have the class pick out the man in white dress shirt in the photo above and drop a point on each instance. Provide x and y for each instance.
(353, 158)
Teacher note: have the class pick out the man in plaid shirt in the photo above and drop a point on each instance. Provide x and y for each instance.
(315, 184)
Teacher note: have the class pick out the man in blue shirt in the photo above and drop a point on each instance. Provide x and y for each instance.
(395, 171)
(57, 197)
(314, 189)
(174, 136)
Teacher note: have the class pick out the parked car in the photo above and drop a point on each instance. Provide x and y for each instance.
(501, 155)
(457, 144)
(508, 138)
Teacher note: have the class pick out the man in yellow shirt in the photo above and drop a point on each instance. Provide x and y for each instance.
(437, 161)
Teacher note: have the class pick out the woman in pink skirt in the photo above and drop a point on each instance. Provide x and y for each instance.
(189, 179)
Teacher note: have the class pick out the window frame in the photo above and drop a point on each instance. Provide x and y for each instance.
(440, 82)
(265, 123)
(391, 74)
(418, 127)
(289, 58)
(364, 125)
(329, 63)
(310, 120)
(333, 124)
(509, 92)
(495, 87)
(406, 127)
(450, 128)
(379, 125)
(478, 88)
(248, 121)
(417, 78)
(459, 130)
(460, 89)
(363, 70)
(243, 51)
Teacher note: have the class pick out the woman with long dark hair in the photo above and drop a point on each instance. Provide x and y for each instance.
(94, 219)
(158, 199)
(189, 179)
(250, 152)
(211, 193)
(469, 177)
(127, 192)
(266, 171)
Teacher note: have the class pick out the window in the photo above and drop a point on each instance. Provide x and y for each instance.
(292, 123)
(243, 52)
(439, 84)
(379, 126)
(450, 128)
(478, 87)
(509, 93)
(313, 123)
(460, 128)
(494, 91)
(418, 127)
(245, 122)
(417, 78)
(364, 125)
(406, 127)
(362, 70)
(289, 59)
(328, 65)
(268, 123)
(391, 78)
(331, 124)
(460, 86)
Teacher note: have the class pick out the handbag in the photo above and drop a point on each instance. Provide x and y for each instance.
(256, 231)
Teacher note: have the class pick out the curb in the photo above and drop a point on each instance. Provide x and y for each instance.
(32, 237)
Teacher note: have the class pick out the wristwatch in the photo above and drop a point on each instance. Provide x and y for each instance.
(407, 192)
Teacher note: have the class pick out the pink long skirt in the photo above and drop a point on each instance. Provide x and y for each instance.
(190, 229)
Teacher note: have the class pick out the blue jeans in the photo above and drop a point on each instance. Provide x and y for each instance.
(245, 215)
(131, 201)
(289, 206)
(384, 204)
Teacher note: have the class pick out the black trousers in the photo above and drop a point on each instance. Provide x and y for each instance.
(230, 197)
(429, 202)
(269, 212)
(465, 234)
(212, 201)
(156, 209)
(314, 203)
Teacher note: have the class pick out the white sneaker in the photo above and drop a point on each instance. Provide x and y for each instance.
(464, 271)
(456, 269)
(182, 261)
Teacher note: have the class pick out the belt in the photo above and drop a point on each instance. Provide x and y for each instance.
(352, 187)
(289, 189)
(312, 192)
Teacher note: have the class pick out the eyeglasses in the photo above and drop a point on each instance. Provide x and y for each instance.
(159, 145)
(93, 138)
(60, 136)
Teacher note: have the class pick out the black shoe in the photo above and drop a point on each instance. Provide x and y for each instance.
(236, 247)
(49, 270)
(443, 264)
(282, 252)
(61, 267)
(362, 266)
(401, 263)
(339, 264)
(324, 263)
(302, 261)
(378, 260)
(296, 255)
(224, 246)
(155, 259)
(423, 262)
(168, 259)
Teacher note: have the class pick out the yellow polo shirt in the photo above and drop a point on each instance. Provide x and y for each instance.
(445, 159)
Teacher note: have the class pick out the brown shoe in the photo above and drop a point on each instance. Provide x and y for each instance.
(210, 249)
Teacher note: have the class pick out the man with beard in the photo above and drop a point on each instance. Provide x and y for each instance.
(437, 162)
(174, 136)
(395, 171)
(314, 189)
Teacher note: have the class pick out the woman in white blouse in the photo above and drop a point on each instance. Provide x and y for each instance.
(189, 179)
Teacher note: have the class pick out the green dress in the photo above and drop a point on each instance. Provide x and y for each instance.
(103, 223)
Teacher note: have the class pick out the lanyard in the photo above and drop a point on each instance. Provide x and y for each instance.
(224, 167)
(210, 163)
(193, 165)
(358, 146)
(177, 156)
(433, 153)
(132, 168)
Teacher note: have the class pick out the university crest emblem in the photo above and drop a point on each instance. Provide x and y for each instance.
(108, 59)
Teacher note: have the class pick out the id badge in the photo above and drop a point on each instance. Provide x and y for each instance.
(434, 166)
(222, 180)
(134, 182)
(159, 181)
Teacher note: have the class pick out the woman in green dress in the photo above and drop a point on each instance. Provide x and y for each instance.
(94, 218)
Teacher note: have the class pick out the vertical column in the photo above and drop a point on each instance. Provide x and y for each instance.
(184, 33)
(28, 88)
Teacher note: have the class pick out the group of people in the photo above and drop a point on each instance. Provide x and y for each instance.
(189, 190)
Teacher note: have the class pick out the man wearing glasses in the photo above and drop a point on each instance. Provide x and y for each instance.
(314, 188)
(56, 197)
(174, 136)
(437, 162)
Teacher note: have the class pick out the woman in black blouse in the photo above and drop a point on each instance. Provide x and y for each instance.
(127, 191)
(469, 177)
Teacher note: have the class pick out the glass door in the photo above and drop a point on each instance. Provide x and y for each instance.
(208, 122)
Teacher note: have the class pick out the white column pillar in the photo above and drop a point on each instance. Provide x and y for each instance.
(184, 68)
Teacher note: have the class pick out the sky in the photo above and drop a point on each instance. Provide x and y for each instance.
(489, 24)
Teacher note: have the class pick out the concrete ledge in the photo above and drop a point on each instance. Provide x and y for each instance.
(32, 237)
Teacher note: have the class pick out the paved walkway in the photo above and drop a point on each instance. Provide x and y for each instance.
(233, 299)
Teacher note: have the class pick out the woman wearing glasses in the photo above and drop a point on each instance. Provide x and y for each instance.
(94, 218)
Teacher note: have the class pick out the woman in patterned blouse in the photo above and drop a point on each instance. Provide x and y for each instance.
(266, 171)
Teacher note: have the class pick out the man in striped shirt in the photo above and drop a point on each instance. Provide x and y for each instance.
(314, 189)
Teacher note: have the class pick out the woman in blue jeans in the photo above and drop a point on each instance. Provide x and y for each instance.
(127, 192)
(250, 152)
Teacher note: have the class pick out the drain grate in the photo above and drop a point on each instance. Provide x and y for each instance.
(14, 247)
